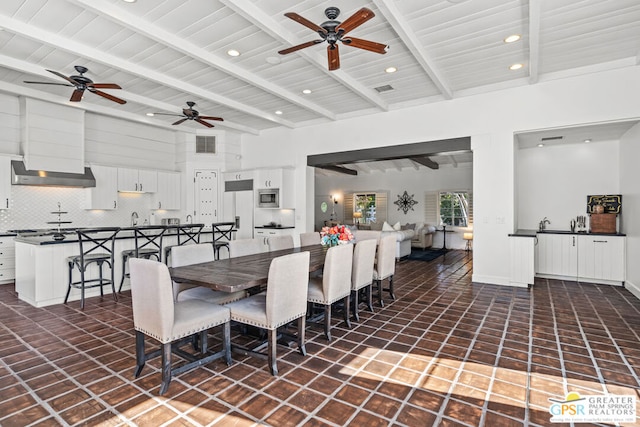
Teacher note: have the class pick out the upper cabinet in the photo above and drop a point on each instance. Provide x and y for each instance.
(238, 176)
(282, 179)
(5, 182)
(104, 195)
(168, 195)
(135, 180)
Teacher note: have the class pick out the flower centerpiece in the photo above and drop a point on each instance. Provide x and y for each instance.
(336, 235)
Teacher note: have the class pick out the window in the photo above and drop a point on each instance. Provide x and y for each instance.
(454, 208)
(366, 204)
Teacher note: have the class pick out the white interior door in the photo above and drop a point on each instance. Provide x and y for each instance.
(206, 197)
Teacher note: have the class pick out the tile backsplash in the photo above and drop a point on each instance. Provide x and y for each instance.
(32, 207)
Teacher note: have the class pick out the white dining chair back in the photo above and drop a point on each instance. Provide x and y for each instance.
(197, 254)
(278, 243)
(156, 315)
(308, 239)
(334, 283)
(364, 256)
(243, 247)
(385, 266)
(284, 301)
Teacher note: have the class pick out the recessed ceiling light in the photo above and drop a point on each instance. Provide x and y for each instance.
(512, 38)
(279, 112)
(586, 141)
(233, 52)
(390, 70)
(273, 60)
(516, 66)
(129, 1)
(306, 91)
(150, 114)
(540, 145)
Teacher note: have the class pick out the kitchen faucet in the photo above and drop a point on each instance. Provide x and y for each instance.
(189, 219)
(543, 224)
(134, 218)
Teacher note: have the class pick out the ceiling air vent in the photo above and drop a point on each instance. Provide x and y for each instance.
(205, 144)
(385, 88)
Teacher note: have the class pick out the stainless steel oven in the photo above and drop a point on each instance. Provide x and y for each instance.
(269, 198)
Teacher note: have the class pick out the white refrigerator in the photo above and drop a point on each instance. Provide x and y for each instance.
(238, 208)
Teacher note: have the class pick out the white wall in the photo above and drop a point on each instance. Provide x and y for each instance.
(554, 181)
(630, 190)
(490, 119)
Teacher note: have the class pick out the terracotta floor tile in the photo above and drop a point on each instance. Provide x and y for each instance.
(445, 345)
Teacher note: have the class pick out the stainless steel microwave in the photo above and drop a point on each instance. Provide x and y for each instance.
(269, 198)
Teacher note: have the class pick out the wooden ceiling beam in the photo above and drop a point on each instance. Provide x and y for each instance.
(339, 169)
(425, 161)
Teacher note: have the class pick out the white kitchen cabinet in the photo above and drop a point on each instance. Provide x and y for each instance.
(521, 260)
(7, 259)
(5, 182)
(265, 233)
(602, 257)
(168, 195)
(283, 179)
(238, 175)
(104, 195)
(137, 180)
(557, 254)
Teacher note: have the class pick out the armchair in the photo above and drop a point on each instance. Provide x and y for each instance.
(423, 236)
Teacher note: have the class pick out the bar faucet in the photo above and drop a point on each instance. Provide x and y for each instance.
(189, 219)
(134, 218)
(543, 224)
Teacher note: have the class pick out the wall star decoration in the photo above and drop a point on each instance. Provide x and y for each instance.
(405, 202)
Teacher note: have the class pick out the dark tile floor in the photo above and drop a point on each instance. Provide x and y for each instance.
(447, 352)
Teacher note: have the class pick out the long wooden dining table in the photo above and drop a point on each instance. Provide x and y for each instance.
(236, 274)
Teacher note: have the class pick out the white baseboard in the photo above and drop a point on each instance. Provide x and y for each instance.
(492, 280)
(634, 289)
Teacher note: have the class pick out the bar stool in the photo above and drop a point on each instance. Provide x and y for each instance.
(187, 233)
(96, 247)
(222, 235)
(148, 243)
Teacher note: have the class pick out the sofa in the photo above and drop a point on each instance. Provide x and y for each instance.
(403, 239)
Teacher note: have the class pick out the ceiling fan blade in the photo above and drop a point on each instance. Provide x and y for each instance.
(69, 79)
(179, 121)
(220, 119)
(49, 83)
(209, 125)
(300, 46)
(355, 20)
(300, 20)
(333, 57)
(109, 97)
(104, 85)
(76, 96)
(366, 45)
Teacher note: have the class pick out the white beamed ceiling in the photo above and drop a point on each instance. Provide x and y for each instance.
(166, 52)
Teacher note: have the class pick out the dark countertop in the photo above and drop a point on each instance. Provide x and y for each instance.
(46, 238)
(534, 233)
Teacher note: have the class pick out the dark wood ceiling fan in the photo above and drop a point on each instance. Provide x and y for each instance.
(191, 114)
(333, 31)
(82, 83)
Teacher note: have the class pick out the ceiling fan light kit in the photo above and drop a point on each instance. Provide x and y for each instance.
(191, 114)
(333, 31)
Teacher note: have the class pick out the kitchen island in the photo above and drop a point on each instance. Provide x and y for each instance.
(41, 266)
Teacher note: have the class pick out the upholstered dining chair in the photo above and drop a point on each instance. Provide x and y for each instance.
(284, 301)
(334, 284)
(278, 243)
(309, 239)
(196, 254)
(364, 256)
(96, 247)
(187, 234)
(155, 314)
(148, 244)
(242, 247)
(385, 266)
